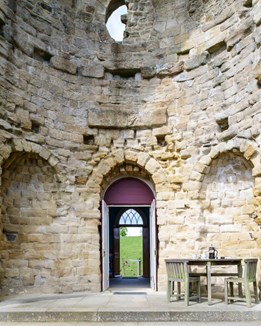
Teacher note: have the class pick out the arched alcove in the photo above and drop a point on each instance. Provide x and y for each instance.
(227, 201)
(29, 194)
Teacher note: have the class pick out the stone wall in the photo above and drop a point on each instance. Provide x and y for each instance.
(177, 102)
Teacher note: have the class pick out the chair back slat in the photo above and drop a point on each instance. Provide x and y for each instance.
(177, 270)
(178, 274)
(250, 269)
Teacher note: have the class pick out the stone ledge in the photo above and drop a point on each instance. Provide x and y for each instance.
(130, 316)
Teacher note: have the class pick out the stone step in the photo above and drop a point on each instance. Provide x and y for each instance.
(131, 316)
(254, 323)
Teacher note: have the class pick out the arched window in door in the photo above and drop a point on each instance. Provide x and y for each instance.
(131, 217)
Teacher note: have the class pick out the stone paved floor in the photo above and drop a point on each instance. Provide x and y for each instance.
(255, 323)
(114, 301)
(127, 302)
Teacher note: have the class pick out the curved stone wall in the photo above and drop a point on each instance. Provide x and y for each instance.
(177, 102)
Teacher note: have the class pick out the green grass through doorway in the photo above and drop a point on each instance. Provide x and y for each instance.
(130, 249)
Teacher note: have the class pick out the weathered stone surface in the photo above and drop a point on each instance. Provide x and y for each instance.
(148, 72)
(257, 72)
(226, 14)
(169, 69)
(124, 118)
(235, 36)
(92, 70)
(64, 64)
(257, 14)
(196, 61)
(176, 104)
(257, 37)
(107, 118)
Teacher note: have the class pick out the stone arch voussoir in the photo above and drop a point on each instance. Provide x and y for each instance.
(143, 160)
(21, 145)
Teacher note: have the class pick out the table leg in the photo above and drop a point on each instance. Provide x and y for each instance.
(209, 281)
(240, 272)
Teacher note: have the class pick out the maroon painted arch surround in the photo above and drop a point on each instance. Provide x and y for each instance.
(128, 191)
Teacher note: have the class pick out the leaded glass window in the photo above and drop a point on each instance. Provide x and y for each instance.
(131, 217)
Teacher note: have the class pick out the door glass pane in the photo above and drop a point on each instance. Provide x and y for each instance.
(131, 216)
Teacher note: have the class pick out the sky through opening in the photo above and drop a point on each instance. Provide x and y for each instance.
(115, 26)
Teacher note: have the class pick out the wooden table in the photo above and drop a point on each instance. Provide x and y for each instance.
(210, 264)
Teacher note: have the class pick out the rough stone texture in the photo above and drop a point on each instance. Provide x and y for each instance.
(257, 72)
(177, 103)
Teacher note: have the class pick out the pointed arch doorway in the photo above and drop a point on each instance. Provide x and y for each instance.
(121, 197)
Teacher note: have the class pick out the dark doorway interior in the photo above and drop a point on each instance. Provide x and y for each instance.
(117, 277)
(131, 284)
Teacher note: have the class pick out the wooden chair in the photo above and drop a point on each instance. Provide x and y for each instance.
(249, 276)
(178, 272)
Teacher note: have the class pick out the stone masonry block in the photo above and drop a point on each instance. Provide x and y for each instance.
(27, 146)
(196, 61)
(23, 116)
(200, 168)
(18, 145)
(250, 150)
(205, 160)
(152, 166)
(257, 71)
(63, 64)
(257, 191)
(165, 130)
(105, 166)
(256, 172)
(257, 14)
(196, 176)
(5, 151)
(131, 156)
(160, 179)
(143, 158)
(45, 154)
(218, 19)
(108, 117)
(214, 152)
(36, 148)
(53, 161)
(220, 219)
(165, 196)
(192, 186)
(230, 228)
(93, 70)
(119, 156)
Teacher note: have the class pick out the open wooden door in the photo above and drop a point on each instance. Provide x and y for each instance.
(105, 246)
(146, 252)
(116, 251)
(153, 247)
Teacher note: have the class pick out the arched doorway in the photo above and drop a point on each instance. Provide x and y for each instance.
(130, 203)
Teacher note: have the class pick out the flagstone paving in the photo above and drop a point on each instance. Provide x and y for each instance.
(117, 308)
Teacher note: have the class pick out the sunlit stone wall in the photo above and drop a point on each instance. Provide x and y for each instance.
(177, 103)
